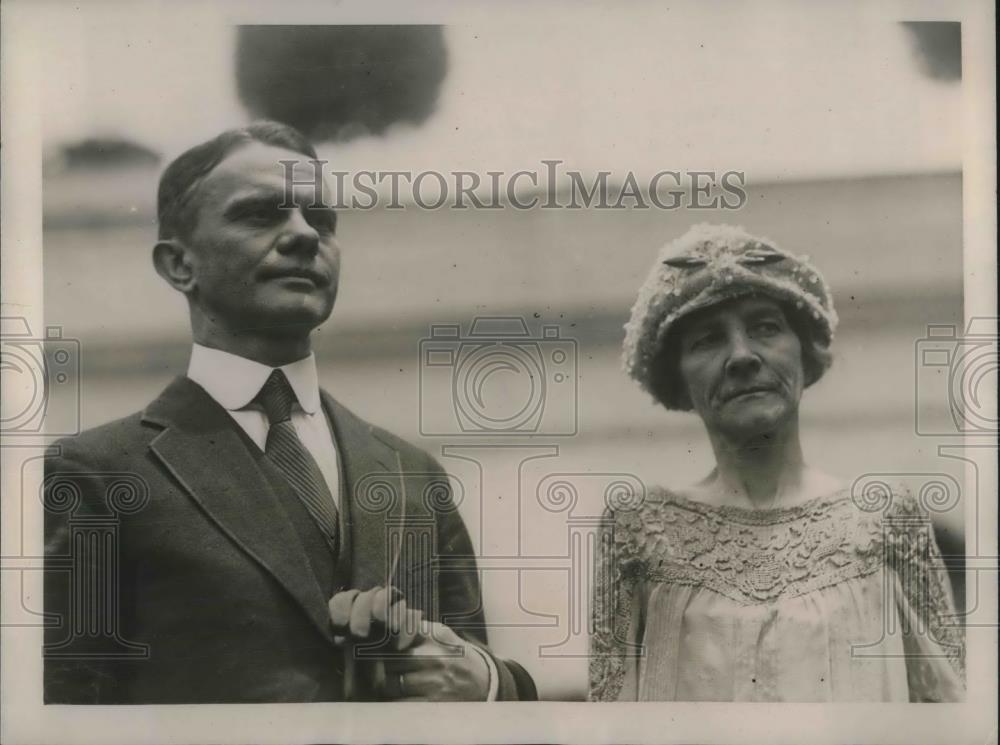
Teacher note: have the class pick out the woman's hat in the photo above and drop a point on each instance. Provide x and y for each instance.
(710, 264)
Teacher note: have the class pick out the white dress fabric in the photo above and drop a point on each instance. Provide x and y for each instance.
(828, 600)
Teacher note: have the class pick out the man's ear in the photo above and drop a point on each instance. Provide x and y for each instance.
(173, 263)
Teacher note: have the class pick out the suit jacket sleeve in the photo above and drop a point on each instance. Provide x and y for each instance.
(80, 666)
(458, 591)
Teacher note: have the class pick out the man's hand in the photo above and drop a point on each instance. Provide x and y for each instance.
(441, 667)
(427, 661)
(378, 615)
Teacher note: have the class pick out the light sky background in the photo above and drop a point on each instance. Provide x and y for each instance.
(778, 91)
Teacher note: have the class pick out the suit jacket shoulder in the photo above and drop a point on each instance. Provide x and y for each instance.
(107, 444)
(408, 452)
(456, 599)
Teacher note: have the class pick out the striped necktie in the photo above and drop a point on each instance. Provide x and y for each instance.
(286, 451)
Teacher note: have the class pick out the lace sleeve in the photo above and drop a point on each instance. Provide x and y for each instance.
(933, 635)
(615, 614)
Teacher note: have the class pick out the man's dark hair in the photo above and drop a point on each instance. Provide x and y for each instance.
(665, 376)
(181, 178)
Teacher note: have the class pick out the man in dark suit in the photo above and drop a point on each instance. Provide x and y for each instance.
(246, 537)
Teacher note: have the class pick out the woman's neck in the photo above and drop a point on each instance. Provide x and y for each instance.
(757, 471)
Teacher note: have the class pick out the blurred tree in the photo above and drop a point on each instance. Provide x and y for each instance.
(106, 152)
(339, 82)
(938, 47)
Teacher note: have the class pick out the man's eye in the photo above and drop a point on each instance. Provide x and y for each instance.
(262, 214)
(323, 219)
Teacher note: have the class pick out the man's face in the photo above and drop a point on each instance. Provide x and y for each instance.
(260, 268)
(742, 365)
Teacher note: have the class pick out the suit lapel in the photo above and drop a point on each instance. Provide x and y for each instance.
(373, 497)
(201, 447)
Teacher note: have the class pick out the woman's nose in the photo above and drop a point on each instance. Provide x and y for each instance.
(742, 358)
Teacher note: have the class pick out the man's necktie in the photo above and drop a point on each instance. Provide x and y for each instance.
(286, 451)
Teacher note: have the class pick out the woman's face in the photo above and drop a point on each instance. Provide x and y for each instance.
(742, 365)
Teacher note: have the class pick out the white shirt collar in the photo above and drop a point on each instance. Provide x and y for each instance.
(235, 381)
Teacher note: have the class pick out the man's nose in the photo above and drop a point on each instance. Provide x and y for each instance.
(742, 359)
(299, 236)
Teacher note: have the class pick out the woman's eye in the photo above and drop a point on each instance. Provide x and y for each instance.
(767, 327)
(704, 341)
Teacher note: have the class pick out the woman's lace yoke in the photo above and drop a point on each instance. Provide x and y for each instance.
(763, 556)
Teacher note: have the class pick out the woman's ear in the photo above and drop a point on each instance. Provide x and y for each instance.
(172, 261)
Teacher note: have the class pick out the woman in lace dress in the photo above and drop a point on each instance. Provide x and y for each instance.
(766, 581)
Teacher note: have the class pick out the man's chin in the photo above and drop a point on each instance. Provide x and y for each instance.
(301, 314)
